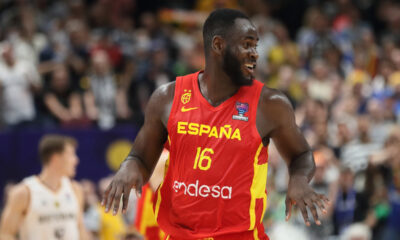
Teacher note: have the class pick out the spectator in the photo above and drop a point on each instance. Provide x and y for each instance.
(381, 88)
(380, 124)
(315, 37)
(324, 182)
(357, 231)
(78, 53)
(289, 83)
(345, 204)
(63, 102)
(29, 42)
(285, 231)
(394, 81)
(19, 81)
(373, 208)
(320, 84)
(104, 43)
(104, 102)
(391, 155)
(284, 52)
(264, 25)
(356, 153)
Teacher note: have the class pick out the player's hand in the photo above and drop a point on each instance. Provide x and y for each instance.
(127, 177)
(301, 194)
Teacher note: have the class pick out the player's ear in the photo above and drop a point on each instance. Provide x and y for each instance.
(218, 44)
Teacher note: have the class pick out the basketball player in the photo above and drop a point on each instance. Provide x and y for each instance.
(49, 205)
(218, 124)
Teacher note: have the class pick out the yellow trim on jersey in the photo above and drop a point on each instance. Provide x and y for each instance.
(258, 186)
(264, 199)
(161, 234)
(148, 218)
(167, 162)
(158, 201)
(161, 185)
(256, 234)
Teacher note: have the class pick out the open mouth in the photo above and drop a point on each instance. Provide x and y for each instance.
(250, 67)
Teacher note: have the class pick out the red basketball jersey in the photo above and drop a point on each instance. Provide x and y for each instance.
(215, 184)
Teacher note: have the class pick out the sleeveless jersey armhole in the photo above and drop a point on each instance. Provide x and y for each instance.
(256, 100)
(178, 83)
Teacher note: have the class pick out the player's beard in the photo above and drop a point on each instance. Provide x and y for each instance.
(232, 67)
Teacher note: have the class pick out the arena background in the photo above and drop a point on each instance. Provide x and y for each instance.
(89, 67)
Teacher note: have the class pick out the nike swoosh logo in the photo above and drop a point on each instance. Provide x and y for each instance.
(183, 109)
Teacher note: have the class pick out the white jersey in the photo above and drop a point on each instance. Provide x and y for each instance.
(50, 215)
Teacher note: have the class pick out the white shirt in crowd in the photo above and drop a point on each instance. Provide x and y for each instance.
(17, 102)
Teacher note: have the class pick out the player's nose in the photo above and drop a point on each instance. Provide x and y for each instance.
(254, 54)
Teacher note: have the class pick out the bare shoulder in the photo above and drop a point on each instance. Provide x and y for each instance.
(160, 103)
(274, 111)
(163, 94)
(19, 197)
(274, 98)
(19, 191)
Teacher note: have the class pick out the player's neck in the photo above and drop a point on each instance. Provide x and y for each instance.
(216, 86)
(51, 179)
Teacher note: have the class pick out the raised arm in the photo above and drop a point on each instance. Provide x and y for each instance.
(275, 120)
(146, 149)
(14, 212)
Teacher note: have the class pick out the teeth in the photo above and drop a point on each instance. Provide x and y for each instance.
(251, 66)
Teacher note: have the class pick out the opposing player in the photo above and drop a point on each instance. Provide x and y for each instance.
(218, 123)
(49, 205)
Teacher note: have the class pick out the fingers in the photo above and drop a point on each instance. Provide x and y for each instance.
(324, 198)
(311, 206)
(117, 199)
(138, 187)
(304, 212)
(127, 191)
(125, 198)
(320, 202)
(105, 195)
(288, 211)
(119, 189)
(109, 196)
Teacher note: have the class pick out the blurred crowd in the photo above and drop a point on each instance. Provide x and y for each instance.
(81, 64)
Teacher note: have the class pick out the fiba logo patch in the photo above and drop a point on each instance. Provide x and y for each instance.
(242, 108)
(185, 98)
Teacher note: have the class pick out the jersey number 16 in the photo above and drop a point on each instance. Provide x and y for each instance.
(202, 161)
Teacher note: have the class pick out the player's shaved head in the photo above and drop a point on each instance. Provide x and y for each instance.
(219, 22)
